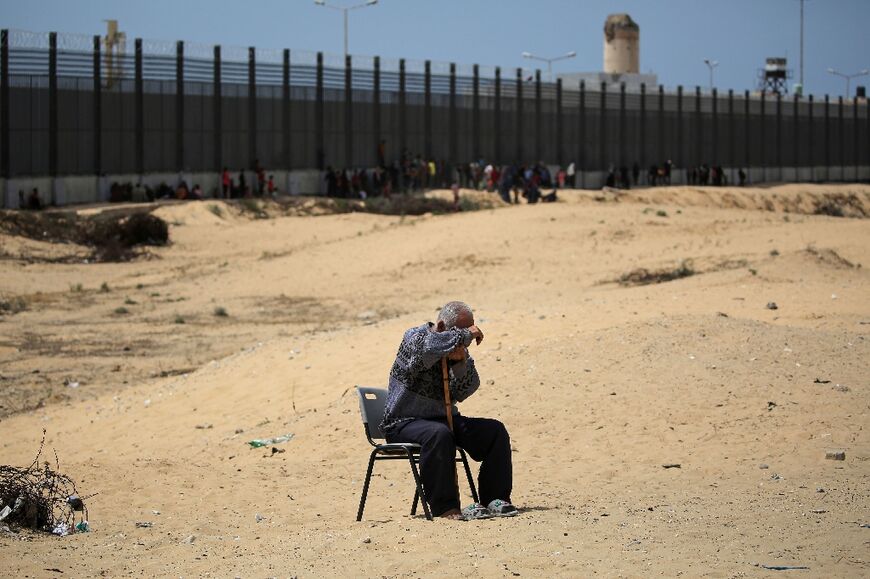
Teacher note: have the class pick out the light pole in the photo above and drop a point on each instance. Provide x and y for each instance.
(711, 64)
(345, 10)
(802, 44)
(550, 61)
(848, 77)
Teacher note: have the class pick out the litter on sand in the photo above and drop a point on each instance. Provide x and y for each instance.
(261, 442)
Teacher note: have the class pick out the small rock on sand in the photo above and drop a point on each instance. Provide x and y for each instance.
(190, 539)
(835, 455)
(772, 306)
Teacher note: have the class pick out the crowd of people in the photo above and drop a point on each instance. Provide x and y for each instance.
(410, 173)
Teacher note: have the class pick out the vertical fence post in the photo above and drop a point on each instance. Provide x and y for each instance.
(497, 115)
(179, 106)
(866, 132)
(796, 138)
(286, 110)
(811, 149)
(318, 115)
(4, 102)
(747, 159)
(218, 116)
(403, 139)
(559, 132)
(518, 123)
(52, 108)
(98, 107)
(762, 126)
(348, 111)
(731, 146)
(642, 148)
(376, 111)
(842, 145)
(451, 128)
(427, 112)
(827, 138)
(623, 141)
(855, 140)
(679, 126)
(602, 129)
(252, 112)
(779, 134)
(581, 139)
(660, 132)
(715, 130)
(475, 116)
(140, 109)
(699, 130)
(538, 155)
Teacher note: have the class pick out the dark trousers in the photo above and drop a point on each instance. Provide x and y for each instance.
(484, 439)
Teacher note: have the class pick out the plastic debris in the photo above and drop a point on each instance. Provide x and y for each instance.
(75, 503)
(83, 527)
(61, 530)
(783, 567)
(261, 442)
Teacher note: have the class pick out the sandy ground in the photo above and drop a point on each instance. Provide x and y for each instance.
(599, 384)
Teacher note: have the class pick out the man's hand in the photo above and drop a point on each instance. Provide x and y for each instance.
(476, 334)
(458, 354)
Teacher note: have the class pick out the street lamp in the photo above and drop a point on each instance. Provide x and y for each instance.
(711, 64)
(550, 61)
(345, 10)
(848, 77)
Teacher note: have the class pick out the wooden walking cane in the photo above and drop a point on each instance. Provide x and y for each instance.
(445, 373)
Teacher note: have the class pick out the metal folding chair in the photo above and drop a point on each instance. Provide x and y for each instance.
(371, 407)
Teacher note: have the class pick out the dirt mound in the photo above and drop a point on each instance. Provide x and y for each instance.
(113, 235)
(836, 200)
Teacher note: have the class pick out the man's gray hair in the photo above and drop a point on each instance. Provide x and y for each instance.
(451, 311)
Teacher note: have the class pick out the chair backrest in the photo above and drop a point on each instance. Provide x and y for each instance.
(371, 407)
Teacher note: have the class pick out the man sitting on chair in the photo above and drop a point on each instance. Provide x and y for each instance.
(415, 412)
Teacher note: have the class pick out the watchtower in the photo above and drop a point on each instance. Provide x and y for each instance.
(774, 76)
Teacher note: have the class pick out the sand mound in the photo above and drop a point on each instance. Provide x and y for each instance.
(835, 200)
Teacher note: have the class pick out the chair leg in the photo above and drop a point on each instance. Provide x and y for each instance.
(414, 504)
(420, 492)
(468, 475)
(365, 491)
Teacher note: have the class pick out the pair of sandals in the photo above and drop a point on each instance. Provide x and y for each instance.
(496, 508)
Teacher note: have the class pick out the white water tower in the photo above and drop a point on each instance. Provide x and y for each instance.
(621, 45)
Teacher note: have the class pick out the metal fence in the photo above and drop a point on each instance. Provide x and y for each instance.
(69, 108)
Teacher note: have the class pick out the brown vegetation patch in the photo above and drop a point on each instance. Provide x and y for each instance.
(840, 205)
(643, 276)
(112, 235)
(830, 257)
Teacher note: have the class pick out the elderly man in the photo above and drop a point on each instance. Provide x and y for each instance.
(415, 412)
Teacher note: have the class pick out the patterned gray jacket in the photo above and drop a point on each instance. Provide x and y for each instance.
(416, 389)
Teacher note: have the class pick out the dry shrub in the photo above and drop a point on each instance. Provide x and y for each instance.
(643, 276)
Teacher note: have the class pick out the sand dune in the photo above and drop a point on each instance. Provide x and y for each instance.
(600, 384)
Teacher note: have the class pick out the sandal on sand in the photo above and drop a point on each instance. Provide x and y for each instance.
(500, 508)
(476, 511)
